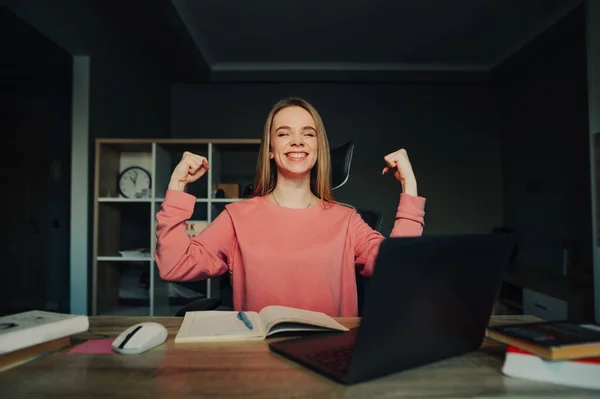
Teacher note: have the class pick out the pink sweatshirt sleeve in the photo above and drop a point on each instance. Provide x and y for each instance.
(410, 218)
(180, 258)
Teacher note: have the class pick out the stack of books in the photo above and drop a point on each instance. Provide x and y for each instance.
(30, 335)
(558, 352)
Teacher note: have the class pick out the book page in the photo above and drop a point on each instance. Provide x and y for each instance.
(217, 325)
(282, 318)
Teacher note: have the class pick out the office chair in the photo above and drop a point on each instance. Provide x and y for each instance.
(373, 219)
(370, 216)
(341, 159)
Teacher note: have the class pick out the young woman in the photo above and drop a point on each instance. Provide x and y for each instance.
(290, 244)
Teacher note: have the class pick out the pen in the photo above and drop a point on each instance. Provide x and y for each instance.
(242, 316)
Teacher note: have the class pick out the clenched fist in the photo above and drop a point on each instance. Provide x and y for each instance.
(188, 170)
(398, 162)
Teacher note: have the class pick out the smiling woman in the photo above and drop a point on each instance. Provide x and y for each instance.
(294, 164)
(291, 244)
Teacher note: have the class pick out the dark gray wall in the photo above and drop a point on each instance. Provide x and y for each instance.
(35, 93)
(129, 93)
(593, 64)
(130, 96)
(546, 150)
(449, 130)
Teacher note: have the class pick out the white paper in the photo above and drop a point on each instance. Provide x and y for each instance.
(210, 325)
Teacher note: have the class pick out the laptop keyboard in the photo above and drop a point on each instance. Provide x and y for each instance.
(337, 359)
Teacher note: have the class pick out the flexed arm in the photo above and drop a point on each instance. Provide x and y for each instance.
(181, 258)
(178, 257)
(409, 219)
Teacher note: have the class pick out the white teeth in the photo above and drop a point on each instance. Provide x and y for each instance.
(296, 155)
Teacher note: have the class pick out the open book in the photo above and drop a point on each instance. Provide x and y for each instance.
(214, 325)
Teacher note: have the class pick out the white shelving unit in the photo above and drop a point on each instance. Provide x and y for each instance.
(131, 285)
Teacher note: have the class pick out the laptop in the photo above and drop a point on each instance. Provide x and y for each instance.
(430, 298)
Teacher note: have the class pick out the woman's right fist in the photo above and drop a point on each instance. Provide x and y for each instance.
(188, 170)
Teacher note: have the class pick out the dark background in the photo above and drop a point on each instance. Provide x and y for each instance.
(503, 146)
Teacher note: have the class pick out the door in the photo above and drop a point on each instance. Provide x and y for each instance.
(25, 196)
(34, 169)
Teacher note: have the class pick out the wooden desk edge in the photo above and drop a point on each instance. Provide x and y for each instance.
(111, 326)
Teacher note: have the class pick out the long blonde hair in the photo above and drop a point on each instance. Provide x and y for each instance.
(266, 170)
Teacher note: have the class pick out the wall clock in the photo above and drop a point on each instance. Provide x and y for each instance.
(134, 181)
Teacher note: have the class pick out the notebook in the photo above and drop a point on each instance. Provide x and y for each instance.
(215, 325)
(552, 340)
(581, 373)
(26, 329)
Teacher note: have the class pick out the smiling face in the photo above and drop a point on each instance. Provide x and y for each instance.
(294, 142)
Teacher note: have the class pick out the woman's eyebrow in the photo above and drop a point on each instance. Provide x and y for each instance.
(289, 128)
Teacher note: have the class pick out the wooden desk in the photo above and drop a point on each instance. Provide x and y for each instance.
(250, 370)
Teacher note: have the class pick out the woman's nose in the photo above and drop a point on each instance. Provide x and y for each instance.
(297, 139)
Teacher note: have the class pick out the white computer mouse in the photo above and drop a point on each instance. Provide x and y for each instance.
(140, 338)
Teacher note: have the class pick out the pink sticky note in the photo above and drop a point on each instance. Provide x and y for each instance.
(95, 346)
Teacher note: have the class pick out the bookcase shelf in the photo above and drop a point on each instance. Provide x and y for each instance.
(104, 199)
(129, 284)
(123, 258)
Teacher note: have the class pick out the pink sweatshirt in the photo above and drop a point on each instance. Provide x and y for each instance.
(303, 258)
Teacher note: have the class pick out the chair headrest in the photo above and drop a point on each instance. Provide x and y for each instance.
(341, 159)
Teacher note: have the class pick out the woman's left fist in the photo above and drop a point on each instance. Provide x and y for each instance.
(398, 162)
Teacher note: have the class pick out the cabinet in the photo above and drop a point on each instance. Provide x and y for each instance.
(124, 276)
(549, 297)
(545, 307)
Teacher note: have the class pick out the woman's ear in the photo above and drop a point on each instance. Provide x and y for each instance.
(270, 155)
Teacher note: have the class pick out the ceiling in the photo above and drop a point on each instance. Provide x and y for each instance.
(332, 40)
(255, 40)
(27, 54)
